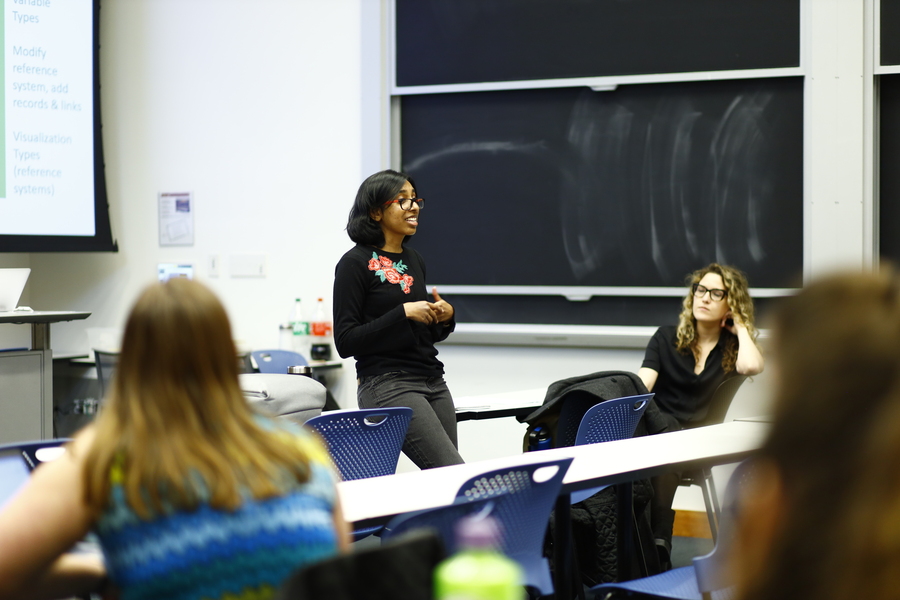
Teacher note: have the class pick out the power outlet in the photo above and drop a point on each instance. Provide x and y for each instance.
(247, 265)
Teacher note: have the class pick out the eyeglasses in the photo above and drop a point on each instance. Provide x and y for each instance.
(406, 203)
(700, 291)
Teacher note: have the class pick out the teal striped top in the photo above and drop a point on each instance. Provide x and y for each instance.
(217, 554)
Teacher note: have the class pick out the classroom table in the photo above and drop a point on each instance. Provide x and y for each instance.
(26, 377)
(757, 419)
(493, 406)
(376, 500)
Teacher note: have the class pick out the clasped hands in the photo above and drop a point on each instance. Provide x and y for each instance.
(439, 311)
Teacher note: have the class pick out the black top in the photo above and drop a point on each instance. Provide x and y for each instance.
(370, 288)
(678, 390)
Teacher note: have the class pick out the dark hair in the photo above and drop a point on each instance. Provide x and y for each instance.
(373, 193)
(835, 442)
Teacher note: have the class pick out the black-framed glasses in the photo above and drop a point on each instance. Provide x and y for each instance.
(700, 291)
(407, 203)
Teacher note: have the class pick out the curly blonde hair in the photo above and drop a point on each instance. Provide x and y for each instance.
(739, 303)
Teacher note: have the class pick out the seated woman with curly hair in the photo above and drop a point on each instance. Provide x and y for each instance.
(715, 339)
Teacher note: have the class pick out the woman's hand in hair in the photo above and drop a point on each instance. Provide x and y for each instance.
(749, 359)
(421, 311)
(731, 323)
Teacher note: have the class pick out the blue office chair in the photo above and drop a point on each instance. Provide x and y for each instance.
(527, 494)
(18, 460)
(37, 452)
(442, 520)
(718, 408)
(608, 421)
(707, 577)
(573, 409)
(277, 361)
(364, 443)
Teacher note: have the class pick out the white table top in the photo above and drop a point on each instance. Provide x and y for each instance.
(42, 316)
(519, 399)
(506, 404)
(377, 499)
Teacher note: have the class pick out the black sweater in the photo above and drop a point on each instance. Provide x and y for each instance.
(370, 288)
(678, 390)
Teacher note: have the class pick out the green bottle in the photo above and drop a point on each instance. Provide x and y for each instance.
(478, 571)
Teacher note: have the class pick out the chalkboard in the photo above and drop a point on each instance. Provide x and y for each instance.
(890, 26)
(889, 174)
(464, 41)
(636, 187)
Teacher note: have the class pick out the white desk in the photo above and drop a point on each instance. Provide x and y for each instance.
(492, 406)
(377, 500)
(26, 389)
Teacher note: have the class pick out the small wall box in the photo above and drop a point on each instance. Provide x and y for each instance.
(169, 270)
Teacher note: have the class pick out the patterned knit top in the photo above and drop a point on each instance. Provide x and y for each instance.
(218, 554)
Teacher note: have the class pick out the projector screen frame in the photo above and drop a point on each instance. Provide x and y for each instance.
(102, 240)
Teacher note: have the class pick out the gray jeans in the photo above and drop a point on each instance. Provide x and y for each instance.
(431, 439)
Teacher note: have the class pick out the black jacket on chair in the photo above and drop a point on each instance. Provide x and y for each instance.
(602, 385)
(594, 519)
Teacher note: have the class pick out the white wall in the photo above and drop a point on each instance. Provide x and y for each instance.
(16, 336)
(253, 107)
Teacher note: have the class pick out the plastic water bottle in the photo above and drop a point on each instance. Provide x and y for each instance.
(300, 329)
(320, 329)
(478, 571)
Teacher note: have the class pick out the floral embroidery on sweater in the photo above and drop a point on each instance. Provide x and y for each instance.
(390, 271)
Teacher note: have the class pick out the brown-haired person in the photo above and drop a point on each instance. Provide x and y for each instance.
(190, 493)
(822, 519)
(715, 339)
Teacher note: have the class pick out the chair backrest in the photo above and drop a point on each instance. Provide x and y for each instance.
(612, 420)
(106, 366)
(39, 451)
(364, 443)
(575, 405)
(277, 361)
(19, 459)
(711, 570)
(245, 364)
(442, 520)
(528, 495)
(721, 400)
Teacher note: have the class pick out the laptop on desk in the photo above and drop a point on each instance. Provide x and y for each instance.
(12, 282)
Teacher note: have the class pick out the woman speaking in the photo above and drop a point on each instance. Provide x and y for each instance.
(385, 318)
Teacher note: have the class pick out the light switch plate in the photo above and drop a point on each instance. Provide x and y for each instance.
(215, 262)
